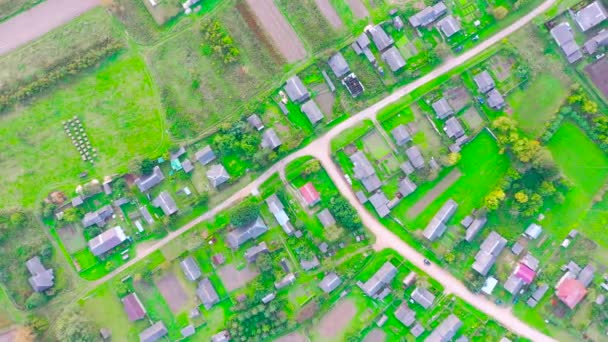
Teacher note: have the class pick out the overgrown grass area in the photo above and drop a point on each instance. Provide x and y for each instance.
(312, 27)
(120, 111)
(586, 167)
(56, 48)
(10, 8)
(199, 90)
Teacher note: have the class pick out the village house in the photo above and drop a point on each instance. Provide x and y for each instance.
(269, 298)
(285, 281)
(401, 135)
(495, 99)
(380, 280)
(533, 231)
(361, 46)
(564, 37)
(146, 183)
(270, 139)
(417, 330)
(252, 253)
(364, 171)
(239, 236)
(442, 108)
(310, 194)
(145, 213)
(393, 58)
(406, 187)
(415, 157)
(153, 333)
(537, 295)
(41, 278)
(326, 218)
(484, 82)
(380, 203)
(524, 274)
(449, 26)
(166, 203)
(222, 336)
(446, 330)
(453, 129)
(437, 225)
(428, 15)
(490, 249)
(217, 175)
(311, 264)
(474, 228)
(133, 307)
(107, 240)
(205, 155)
(405, 315)
(380, 38)
(255, 122)
(207, 294)
(191, 269)
(338, 65)
(353, 85)
(296, 90)
(590, 16)
(596, 42)
(98, 217)
(313, 112)
(423, 297)
(330, 282)
(278, 211)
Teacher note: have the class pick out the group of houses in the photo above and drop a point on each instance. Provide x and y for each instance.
(385, 44)
(486, 85)
(299, 94)
(447, 24)
(587, 18)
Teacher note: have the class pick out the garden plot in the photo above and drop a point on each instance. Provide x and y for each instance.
(276, 26)
(472, 118)
(379, 150)
(233, 279)
(457, 97)
(432, 195)
(164, 10)
(597, 72)
(337, 319)
(72, 238)
(376, 335)
(329, 13)
(173, 292)
(358, 8)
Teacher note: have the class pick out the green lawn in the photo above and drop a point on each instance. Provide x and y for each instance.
(533, 111)
(586, 166)
(120, 111)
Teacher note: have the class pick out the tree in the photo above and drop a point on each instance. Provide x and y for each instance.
(35, 300)
(70, 215)
(146, 166)
(589, 106)
(521, 197)
(525, 149)
(546, 189)
(345, 215)
(73, 326)
(453, 158)
(245, 213)
(500, 12)
(493, 199)
(38, 323)
(264, 263)
(18, 219)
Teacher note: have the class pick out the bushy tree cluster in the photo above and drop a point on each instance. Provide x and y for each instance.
(245, 213)
(219, 41)
(344, 213)
(257, 323)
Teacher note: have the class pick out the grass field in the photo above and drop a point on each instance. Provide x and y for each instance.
(533, 111)
(199, 90)
(10, 8)
(312, 27)
(586, 166)
(120, 111)
(56, 47)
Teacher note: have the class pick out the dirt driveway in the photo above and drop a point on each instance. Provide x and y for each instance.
(358, 8)
(432, 195)
(337, 319)
(39, 20)
(329, 12)
(276, 26)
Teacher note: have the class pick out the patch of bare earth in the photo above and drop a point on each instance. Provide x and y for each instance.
(276, 26)
(329, 12)
(358, 8)
(293, 337)
(337, 319)
(432, 195)
(375, 335)
(598, 72)
(254, 26)
(173, 292)
(234, 279)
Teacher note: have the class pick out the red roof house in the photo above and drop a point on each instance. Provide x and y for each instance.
(525, 273)
(133, 307)
(310, 194)
(571, 292)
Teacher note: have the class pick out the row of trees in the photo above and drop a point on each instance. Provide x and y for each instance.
(217, 39)
(74, 65)
(257, 323)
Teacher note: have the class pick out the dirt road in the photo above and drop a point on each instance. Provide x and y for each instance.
(329, 13)
(275, 25)
(34, 23)
(320, 149)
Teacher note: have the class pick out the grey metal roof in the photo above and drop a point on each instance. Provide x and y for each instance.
(98, 217)
(475, 227)
(398, 23)
(296, 90)
(449, 25)
(590, 16)
(379, 201)
(76, 201)
(380, 38)
(330, 282)
(312, 111)
(530, 261)
(484, 81)
(42, 279)
(107, 240)
(252, 253)
(175, 155)
(393, 58)
(153, 333)
(338, 65)
(285, 281)
(146, 214)
(243, 234)
(417, 330)
(540, 292)
(437, 225)
(148, 182)
(423, 297)
(255, 121)
(442, 108)
(533, 231)
(207, 294)
(428, 15)
(217, 175)
(446, 330)
(407, 168)
(205, 155)
(191, 269)
(405, 315)
(597, 41)
(364, 171)
(401, 135)
(564, 37)
(166, 203)
(380, 279)
(187, 166)
(222, 336)
(270, 139)
(495, 99)
(586, 275)
(188, 331)
(415, 156)
(308, 265)
(491, 247)
(406, 187)
(269, 297)
(453, 128)
(326, 218)
(514, 284)
(362, 41)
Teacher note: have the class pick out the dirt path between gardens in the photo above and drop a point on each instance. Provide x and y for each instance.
(358, 8)
(329, 12)
(276, 26)
(337, 319)
(34, 23)
(432, 195)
